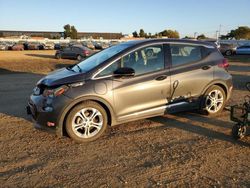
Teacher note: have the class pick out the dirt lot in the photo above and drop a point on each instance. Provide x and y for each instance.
(186, 150)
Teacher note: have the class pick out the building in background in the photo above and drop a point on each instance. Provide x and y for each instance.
(57, 35)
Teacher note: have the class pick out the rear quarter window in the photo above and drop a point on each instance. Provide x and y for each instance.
(182, 54)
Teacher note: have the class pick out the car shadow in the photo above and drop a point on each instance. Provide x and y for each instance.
(239, 68)
(196, 124)
(239, 81)
(239, 58)
(42, 56)
(15, 89)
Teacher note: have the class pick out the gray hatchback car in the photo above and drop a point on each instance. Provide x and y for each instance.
(131, 81)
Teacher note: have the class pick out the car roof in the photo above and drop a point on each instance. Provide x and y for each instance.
(148, 41)
(80, 46)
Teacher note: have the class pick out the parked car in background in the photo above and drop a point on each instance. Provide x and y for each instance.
(49, 46)
(121, 84)
(33, 46)
(227, 49)
(3, 46)
(73, 52)
(88, 44)
(243, 50)
(9, 45)
(100, 45)
(59, 46)
(18, 47)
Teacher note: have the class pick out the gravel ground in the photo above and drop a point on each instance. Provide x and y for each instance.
(184, 150)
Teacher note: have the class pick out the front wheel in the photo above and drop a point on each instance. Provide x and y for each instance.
(86, 122)
(213, 101)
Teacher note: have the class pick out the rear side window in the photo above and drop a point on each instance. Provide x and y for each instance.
(183, 54)
(75, 49)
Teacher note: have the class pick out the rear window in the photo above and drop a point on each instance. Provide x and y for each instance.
(183, 54)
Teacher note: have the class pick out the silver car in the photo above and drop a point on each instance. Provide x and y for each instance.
(125, 83)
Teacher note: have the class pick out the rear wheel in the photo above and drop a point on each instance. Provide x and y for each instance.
(213, 101)
(86, 122)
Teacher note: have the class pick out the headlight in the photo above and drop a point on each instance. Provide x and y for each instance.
(55, 92)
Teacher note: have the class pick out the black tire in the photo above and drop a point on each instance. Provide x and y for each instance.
(238, 131)
(228, 53)
(79, 57)
(206, 102)
(78, 135)
(58, 56)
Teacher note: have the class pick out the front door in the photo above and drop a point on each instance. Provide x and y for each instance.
(143, 95)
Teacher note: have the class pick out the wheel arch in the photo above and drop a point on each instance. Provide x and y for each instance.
(107, 107)
(217, 83)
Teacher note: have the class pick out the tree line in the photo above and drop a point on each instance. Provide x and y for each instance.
(165, 33)
(242, 32)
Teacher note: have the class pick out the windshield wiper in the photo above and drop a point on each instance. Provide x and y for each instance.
(79, 68)
(71, 67)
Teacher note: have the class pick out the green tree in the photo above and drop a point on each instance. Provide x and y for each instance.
(187, 37)
(135, 34)
(73, 32)
(242, 32)
(170, 33)
(202, 36)
(142, 33)
(66, 31)
(70, 31)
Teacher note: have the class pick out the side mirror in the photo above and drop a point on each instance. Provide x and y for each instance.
(124, 72)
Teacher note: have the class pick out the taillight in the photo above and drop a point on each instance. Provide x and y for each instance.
(85, 52)
(224, 64)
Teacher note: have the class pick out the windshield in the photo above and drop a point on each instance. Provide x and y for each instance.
(96, 59)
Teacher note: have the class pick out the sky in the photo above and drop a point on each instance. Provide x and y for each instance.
(185, 16)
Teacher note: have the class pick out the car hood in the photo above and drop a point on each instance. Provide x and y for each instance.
(60, 77)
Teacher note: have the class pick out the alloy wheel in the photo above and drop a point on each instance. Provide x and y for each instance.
(87, 122)
(214, 101)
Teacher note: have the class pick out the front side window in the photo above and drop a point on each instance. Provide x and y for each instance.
(145, 60)
(183, 54)
(100, 57)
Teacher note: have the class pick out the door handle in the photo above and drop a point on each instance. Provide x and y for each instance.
(162, 77)
(206, 67)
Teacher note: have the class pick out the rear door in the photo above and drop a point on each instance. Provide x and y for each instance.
(191, 70)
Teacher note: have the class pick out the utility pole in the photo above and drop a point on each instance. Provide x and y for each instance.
(219, 32)
(217, 35)
(195, 33)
